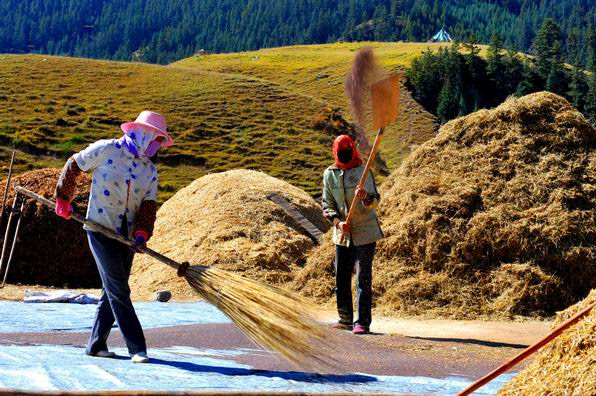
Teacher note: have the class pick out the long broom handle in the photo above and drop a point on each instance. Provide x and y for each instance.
(369, 162)
(101, 229)
(527, 352)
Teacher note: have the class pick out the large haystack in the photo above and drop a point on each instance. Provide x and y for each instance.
(226, 220)
(494, 216)
(565, 366)
(50, 250)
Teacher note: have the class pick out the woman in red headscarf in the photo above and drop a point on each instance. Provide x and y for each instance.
(357, 246)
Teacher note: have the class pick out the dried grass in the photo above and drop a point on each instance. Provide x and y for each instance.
(50, 251)
(567, 365)
(225, 220)
(493, 217)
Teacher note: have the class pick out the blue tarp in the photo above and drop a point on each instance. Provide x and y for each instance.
(20, 317)
(183, 368)
(53, 367)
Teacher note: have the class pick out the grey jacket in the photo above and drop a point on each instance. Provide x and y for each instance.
(339, 188)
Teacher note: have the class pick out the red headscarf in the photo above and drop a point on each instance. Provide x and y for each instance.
(344, 142)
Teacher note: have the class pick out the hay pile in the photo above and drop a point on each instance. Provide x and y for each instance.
(50, 251)
(492, 217)
(566, 365)
(225, 220)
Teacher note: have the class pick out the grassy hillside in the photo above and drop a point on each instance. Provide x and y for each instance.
(51, 107)
(318, 71)
(259, 110)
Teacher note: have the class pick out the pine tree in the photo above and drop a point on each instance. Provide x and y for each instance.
(547, 46)
(448, 102)
(512, 72)
(495, 69)
(578, 88)
(557, 81)
(528, 83)
(590, 108)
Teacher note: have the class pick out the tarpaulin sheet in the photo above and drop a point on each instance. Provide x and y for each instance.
(48, 367)
(22, 317)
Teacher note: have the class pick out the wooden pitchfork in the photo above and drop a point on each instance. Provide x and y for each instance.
(385, 106)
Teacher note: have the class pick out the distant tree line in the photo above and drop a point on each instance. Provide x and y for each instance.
(161, 31)
(456, 81)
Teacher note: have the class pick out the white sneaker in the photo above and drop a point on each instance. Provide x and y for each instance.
(140, 357)
(105, 354)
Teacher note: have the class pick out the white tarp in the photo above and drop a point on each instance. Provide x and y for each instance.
(60, 296)
(63, 367)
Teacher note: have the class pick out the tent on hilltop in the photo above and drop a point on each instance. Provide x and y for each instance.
(441, 37)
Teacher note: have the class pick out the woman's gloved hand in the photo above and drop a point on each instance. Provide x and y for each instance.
(63, 208)
(361, 193)
(343, 227)
(140, 240)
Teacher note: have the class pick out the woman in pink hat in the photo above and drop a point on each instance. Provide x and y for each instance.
(123, 198)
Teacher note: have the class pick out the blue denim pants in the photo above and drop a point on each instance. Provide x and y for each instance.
(346, 257)
(114, 262)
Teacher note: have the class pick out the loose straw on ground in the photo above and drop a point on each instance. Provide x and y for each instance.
(272, 317)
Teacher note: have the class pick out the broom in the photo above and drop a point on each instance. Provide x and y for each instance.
(366, 80)
(272, 317)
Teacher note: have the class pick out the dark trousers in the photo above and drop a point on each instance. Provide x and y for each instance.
(114, 262)
(345, 260)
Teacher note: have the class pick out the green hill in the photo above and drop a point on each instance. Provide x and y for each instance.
(260, 110)
(318, 71)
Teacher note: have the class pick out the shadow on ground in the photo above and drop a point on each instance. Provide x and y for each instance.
(285, 375)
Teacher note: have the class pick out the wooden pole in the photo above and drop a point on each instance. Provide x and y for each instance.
(14, 242)
(369, 163)
(361, 183)
(527, 352)
(93, 226)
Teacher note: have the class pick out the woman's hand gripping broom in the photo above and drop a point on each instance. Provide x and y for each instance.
(272, 317)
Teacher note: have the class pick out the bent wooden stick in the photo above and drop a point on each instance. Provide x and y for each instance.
(527, 352)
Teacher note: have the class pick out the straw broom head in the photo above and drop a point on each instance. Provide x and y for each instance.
(272, 317)
(365, 72)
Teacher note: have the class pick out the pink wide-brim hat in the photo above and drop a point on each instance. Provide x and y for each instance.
(154, 121)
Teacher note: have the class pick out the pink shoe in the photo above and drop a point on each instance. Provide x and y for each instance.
(359, 329)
